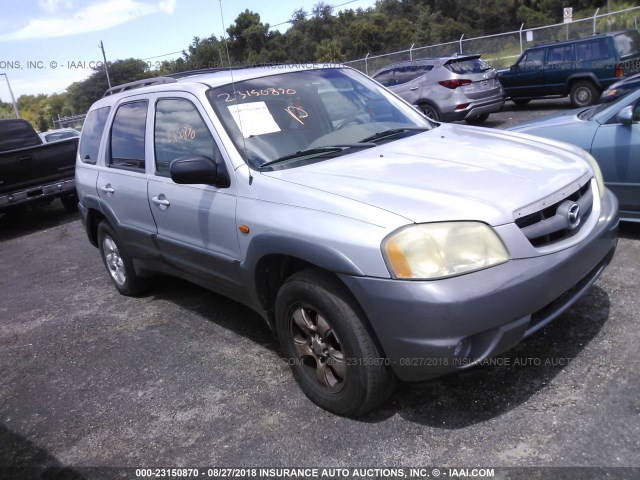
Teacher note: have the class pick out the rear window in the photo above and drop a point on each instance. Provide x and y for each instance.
(628, 43)
(468, 66)
(127, 136)
(92, 134)
(410, 72)
(592, 50)
(17, 134)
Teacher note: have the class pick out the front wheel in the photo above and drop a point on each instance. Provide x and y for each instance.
(334, 359)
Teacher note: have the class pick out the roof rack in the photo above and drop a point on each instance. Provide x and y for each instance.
(139, 84)
(221, 69)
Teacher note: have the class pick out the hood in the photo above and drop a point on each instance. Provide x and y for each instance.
(452, 172)
(560, 119)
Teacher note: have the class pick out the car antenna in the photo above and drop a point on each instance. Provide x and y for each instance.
(233, 85)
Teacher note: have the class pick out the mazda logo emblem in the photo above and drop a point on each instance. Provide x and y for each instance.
(573, 215)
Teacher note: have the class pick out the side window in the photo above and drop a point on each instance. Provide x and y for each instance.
(92, 134)
(532, 60)
(559, 55)
(180, 131)
(127, 136)
(592, 50)
(385, 78)
(406, 74)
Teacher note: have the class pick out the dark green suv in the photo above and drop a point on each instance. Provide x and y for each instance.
(580, 68)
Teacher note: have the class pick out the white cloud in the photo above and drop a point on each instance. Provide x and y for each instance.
(93, 18)
(54, 6)
(167, 6)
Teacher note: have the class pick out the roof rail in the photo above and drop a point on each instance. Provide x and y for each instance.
(221, 69)
(139, 84)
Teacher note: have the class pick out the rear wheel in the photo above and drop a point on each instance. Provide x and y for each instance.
(334, 359)
(583, 94)
(430, 111)
(478, 119)
(118, 263)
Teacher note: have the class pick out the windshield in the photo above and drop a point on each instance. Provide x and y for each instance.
(277, 116)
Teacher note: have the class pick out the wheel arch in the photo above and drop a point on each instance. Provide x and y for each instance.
(579, 77)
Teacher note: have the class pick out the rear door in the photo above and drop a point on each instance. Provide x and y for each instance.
(122, 183)
(411, 82)
(197, 231)
(558, 66)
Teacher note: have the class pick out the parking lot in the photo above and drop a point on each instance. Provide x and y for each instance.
(183, 377)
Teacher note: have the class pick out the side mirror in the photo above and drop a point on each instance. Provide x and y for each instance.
(513, 68)
(199, 170)
(625, 116)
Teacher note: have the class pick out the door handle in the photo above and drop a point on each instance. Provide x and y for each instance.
(108, 189)
(161, 201)
(25, 158)
(414, 88)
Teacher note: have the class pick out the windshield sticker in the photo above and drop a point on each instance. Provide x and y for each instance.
(253, 119)
(228, 97)
(297, 113)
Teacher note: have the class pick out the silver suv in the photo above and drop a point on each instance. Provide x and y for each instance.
(377, 244)
(460, 87)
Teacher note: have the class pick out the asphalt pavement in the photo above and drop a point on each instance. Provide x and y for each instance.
(185, 378)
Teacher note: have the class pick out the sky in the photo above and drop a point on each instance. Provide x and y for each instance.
(45, 45)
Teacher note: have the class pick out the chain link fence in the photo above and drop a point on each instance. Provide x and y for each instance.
(503, 49)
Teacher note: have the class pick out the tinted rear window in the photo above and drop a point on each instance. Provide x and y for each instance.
(17, 134)
(592, 50)
(468, 66)
(628, 43)
(92, 133)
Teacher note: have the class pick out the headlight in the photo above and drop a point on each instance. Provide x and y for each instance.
(596, 172)
(437, 250)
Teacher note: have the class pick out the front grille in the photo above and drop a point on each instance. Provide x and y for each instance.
(559, 221)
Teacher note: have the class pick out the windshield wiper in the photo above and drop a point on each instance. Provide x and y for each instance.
(392, 132)
(319, 151)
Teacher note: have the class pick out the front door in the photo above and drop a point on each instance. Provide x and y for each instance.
(197, 231)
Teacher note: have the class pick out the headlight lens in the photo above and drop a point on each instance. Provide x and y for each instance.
(596, 173)
(438, 250)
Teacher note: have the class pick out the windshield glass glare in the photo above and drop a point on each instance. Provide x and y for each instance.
(278, 115)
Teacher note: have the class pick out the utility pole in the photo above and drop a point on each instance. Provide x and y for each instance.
(13, 100)
(106, 70)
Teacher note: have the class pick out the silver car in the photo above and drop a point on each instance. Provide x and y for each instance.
(377, 244)
(460, 87)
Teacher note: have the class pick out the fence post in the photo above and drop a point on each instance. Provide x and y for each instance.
(461, 43)
(366, 65)
(411, 51)
(595, 16)
(521, 27)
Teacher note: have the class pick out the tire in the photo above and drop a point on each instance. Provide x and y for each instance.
(521, 101)
(332, 355)
(118, 263)
(583, 94)
(70, 203)
(430, 111)
(477, 120)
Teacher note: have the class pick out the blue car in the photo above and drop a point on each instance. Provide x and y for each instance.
(611, 133)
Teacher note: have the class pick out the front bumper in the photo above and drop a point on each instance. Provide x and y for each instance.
(420, 323)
